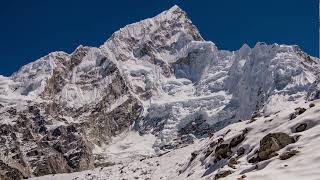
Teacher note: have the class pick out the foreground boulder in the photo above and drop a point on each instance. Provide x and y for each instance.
(298, 111)
(222, 174)
(273, 142)
(223, 151)
(238, 139)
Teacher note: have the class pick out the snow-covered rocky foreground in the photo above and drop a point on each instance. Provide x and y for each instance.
(157, 101)
(298, 160)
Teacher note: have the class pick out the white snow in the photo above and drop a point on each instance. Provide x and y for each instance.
(130, 145)
(304, 165)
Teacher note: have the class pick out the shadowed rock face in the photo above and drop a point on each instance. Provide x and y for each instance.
(52, 136)
(314, 90)
(8, 172)
(31, 148)
(108, 108)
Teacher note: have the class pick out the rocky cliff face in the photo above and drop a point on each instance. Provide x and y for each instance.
(56, 127)
(158, 77)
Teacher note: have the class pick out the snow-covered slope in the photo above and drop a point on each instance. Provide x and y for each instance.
(153, 87)
(205, 158)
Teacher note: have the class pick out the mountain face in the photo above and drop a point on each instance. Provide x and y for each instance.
(153, 87)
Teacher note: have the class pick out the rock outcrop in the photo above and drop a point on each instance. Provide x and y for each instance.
(271, 143)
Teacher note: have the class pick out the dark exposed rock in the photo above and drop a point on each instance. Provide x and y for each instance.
(106, 124)
(27, 134)
(198, 127)
(288, 154)
(301, 127)
(222, 174)
(237, 140)
(300, 110)
(169, 147)
(254, 159)
(223, 151)
(56, 132)
(292, 116)
(32, 153)
(210, 134)
(314, 91)
(194, 155)
(52, 163)
(256, 115)
(272, 143)
(232, 162)
(187, 139)
(12, 111)
(51, 154)
(9, 173)
(220, 140)
(212, 144)
(34, 110)
(311, 105)
(241, 151)
(252, 120)
(207, 153)
(76, 149)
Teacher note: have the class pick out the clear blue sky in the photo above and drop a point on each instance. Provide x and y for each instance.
(31, 29)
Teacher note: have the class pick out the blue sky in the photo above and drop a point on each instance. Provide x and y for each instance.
(32, 29)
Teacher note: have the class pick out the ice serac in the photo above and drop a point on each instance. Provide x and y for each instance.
(270, 72)
(159, 78)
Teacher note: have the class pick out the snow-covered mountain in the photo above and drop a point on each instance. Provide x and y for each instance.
(157, 101)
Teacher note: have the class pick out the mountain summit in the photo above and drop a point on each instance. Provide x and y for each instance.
(156, 92)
